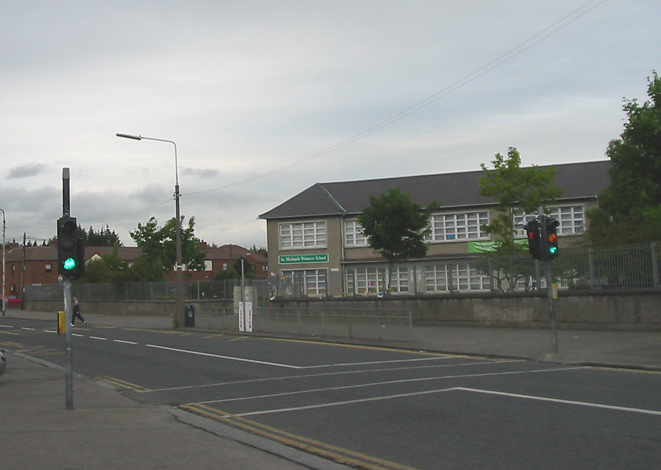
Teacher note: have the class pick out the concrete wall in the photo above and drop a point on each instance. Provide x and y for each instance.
(636, 311)
(128, 307)
(623, 310)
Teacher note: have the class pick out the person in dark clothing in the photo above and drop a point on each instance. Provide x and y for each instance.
(76, 312)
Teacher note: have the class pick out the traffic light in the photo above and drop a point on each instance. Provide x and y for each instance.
(535, 245)
(70, 248)
(551, 237)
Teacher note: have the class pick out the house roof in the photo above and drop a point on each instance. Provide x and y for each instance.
(49, 253)
(577, 180)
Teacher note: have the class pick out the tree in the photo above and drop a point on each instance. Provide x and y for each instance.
(630, 208)
(108, 269)
(396, 227)
(103, 237)
(159, 248)
(513, 188)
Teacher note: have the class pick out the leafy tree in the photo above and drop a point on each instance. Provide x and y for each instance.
(630, 208)
(159, 247)
(513, 188)
(103, 237)
(396, 227)
(108, 269)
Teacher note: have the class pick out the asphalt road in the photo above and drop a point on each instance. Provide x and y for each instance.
(377, 408)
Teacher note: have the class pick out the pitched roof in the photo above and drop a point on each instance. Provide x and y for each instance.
(577, 180)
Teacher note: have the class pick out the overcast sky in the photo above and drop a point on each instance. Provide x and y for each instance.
(266, 98)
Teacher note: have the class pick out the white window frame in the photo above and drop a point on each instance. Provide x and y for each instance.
(372, 280)
(455, 278)
(571, 218)
(302, 235)
(314, 281)
(466, 226)
(354, 235)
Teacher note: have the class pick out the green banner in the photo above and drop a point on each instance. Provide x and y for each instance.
(299, 259)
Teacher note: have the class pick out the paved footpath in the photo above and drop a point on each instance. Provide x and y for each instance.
(107, 430)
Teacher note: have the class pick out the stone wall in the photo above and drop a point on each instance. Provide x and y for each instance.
(622, 310)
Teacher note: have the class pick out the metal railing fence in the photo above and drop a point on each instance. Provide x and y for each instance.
(598, 268)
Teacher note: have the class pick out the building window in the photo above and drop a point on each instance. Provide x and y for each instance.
(372, 281)
(303, 235)
(451, 227)
(309, 282)
(353, 234)
(571, 218)
(208, 265)
(454, 278)
(49, 267)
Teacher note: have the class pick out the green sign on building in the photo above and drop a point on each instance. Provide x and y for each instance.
(299, 259)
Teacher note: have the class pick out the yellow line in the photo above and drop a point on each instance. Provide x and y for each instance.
(239, 338)
(334, 453)
(124, 384)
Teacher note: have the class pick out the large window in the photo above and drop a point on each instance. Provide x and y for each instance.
(451, 227)
(454, 278)
(353, 233)
(303, 235)
(309, 282)
(371, 281)
(571, 218)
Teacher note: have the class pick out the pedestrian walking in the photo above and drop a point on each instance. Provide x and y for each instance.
(76, 312)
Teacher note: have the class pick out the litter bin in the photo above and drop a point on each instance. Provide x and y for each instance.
(189, 315)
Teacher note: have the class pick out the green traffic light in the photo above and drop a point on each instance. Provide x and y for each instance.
(553, 250)
(69, 264)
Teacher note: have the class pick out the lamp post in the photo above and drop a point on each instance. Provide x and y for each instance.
(4, 298)
(179, 313)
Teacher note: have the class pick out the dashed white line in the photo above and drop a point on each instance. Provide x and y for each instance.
(124, 341)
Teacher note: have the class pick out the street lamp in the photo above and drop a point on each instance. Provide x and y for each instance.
(179, 314)
(4, 298)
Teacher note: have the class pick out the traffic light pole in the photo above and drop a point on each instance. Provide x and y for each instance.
(68, 311)
(547, 275)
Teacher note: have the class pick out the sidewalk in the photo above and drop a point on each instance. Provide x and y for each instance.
(106, 430)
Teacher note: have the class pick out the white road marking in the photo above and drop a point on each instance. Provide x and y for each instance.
(454, 389)
(327, 374)
(98, 338)
(231, 358)
(343, 364)
(389, 382)
(565, 402)
(124, 341)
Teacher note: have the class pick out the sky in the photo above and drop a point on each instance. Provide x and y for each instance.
(263, 99)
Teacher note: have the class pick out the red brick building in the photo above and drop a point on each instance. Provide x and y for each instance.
(37, 265)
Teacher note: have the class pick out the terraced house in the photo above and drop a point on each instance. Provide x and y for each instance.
(316, 246)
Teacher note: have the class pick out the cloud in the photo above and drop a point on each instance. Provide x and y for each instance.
(202, 173)
(25, 171)
(255, 92)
